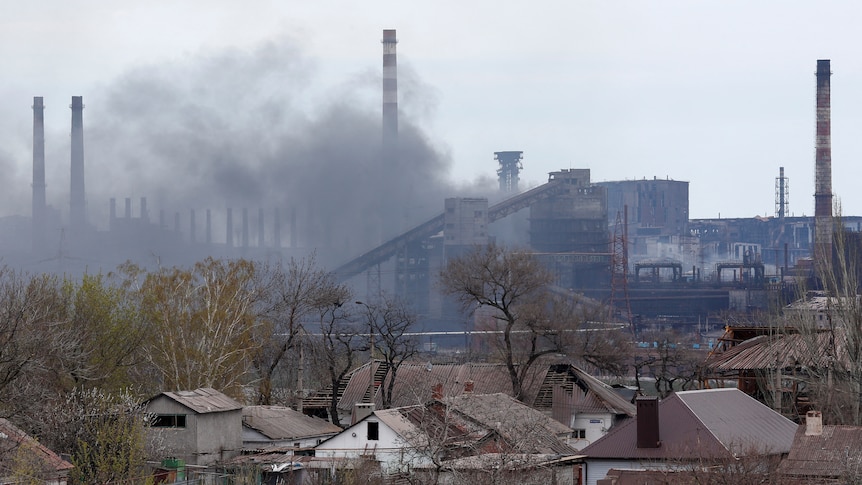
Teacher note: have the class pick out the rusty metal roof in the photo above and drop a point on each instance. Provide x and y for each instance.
(776, 352)
(203, 400)
(705, 424)
(827, 455)
(281, 423)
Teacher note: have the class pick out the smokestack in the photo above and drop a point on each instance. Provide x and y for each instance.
(38, 214)
(782, 187)
(229, 237)
(128, 212)
(276, 229)
(192, 235)
(647, 422)
(390, 97)
(823, 171)
(145, 216)
(77, 203)
(113, 211)
(260, 227)
(209, 228)
(244, 227)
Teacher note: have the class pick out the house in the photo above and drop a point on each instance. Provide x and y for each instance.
(823, 454)
(200, 427)
(278, 426)
(22, 456)
(560, 390)
(430, 436)
(690, 429)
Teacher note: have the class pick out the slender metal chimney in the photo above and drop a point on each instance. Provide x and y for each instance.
(245, 227)
(276, 229)
(209, 227)
(782, 195)
(260, 227)
(823, 171)
(77, 202)
(39, 223)
(192, 235)
(390, 97)
(229, 236)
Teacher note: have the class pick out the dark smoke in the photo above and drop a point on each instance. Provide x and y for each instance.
(251, 129)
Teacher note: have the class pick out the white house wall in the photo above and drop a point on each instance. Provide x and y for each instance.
(390, 450)
(595, 425)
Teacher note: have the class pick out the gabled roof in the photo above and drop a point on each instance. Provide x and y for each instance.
(712, 424)
(283, 423)
(831, 454)
(12, 438)
(415, 382)
(464, 424)
(203, 400)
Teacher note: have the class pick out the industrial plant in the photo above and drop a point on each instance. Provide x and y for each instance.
(631, 242)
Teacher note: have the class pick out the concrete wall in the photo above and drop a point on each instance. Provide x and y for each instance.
(206, 438)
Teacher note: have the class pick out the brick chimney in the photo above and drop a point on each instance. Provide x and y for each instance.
(468, 387)
(437, 391)
(813, 423)
(647, 422)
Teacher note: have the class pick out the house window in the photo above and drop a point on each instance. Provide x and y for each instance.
(168, 421)
(373, 431)
(579, 434)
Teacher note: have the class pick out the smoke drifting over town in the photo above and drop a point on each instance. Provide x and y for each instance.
(254, 129)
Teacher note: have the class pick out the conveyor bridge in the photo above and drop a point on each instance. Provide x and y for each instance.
(427, 229)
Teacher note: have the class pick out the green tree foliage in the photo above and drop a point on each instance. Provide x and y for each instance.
(109, 438)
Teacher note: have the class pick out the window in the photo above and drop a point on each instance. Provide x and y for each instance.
(579, 434)
(373, 431)
(168, 421)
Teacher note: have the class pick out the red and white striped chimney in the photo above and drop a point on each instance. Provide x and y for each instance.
(823, 171)
(77, 203)
(390, 96)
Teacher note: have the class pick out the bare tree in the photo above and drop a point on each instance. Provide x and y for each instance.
(531, 320)
(390, 323)
(338, 343)
(288, 296)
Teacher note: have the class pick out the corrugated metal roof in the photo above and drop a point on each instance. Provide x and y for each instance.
(281, 423)
(777, 352)
(827, 455)
(204, 400)
(711, 424)
(741, 423)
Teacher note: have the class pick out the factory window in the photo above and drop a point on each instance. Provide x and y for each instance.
(168, 421)
(373, 431)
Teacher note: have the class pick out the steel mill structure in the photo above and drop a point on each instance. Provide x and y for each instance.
(697, 268)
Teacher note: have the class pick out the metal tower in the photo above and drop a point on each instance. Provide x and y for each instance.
(510, 166)
(620, 268)
(782, 194)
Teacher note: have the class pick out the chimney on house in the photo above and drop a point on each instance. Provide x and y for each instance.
(437, 391)
(468, 387)
(647, 422)
(813, 423)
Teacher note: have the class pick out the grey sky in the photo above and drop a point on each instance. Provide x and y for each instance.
(718, 93)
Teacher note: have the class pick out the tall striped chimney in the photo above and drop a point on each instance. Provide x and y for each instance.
(390, 97)
(823, 171)
(38, 214)
(77, 203)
